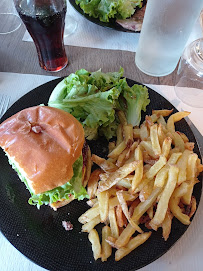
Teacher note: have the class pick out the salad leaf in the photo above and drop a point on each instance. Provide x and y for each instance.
(94, 97)
(90, 98)
(107, 9)
(137, 99)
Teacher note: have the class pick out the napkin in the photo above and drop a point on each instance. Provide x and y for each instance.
(91, 35)
(185, 255)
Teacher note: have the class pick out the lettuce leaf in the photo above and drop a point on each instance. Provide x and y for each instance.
(90, 97)
(136, 101)
(94, 97)
(73, 187)
(107, 9)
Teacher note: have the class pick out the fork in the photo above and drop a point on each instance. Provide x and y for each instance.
(4, 103)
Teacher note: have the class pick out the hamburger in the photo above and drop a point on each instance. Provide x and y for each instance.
(45, 146)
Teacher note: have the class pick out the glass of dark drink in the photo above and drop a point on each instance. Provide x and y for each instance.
(45, 21)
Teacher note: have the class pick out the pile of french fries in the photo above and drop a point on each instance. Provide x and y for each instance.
(147, 179)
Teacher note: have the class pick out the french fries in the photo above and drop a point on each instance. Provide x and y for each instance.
(147, 179)
(174, 204)
(103, 199)
(106, 248)
(87, 227)
(134, 243)
(118, 175)
(96, 247)
(93, 183)
(155, 140)
(113, 223)
(165, 197)
(166, 225)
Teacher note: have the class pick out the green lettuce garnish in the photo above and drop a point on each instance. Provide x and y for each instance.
(73, 187)
(94, 97)
(107, 9)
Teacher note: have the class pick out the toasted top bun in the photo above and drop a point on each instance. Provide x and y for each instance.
(44, 142)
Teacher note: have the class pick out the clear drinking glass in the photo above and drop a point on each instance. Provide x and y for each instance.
(45, 21)
(9, 19)
(189, 77)
(70, 26)
(165, 31)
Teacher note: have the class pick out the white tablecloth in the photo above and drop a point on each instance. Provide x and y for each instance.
(186, 255)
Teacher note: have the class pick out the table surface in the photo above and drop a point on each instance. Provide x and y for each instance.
(21, 57)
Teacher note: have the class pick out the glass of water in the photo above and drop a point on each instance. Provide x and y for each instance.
(165, 31)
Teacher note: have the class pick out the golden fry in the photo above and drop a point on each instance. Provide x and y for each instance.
(119, 216)
(155, 140)
(144, 133)
(118, 175)
(144, 206)
(175, 118)
(163, 112)
(111, 146)
(103, 199)
(136, 133)
(193, 207)
(133, 243)
(174, 157)
(87, 227)
(156, 167)
(184, 137)
(118, 150)
(93, 183)
(178, 141)
(162, 121)
(161, 134)
(121, 158)
(161, 177)
(124, 208)
(146, 191)
(189, 146)
(166, 147)
(182, 165)
(165, 196)
(137, 176)
(147, 145)
(174, 204)
(89, 214)
(128, 134)
(166, 225)
(119, 134)
(96, 247)
(106, 165)
(106, 248)
(113, 223)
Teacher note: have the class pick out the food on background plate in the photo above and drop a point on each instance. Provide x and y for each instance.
(45, 146)
(106, 10)
(94, 98)
(148, 178)
(135, 22)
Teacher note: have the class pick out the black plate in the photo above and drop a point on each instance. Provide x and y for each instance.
(112, 24)
(39, 235)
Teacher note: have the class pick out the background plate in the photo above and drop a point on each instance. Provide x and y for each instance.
(39, 235)
(111, 24)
